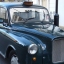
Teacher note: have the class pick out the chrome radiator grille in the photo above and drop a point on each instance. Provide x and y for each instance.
(58, 51)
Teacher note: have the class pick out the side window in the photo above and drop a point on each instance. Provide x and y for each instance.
(2, 13)
(3, 16)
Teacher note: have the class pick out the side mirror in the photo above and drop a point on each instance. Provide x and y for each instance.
(5, 22)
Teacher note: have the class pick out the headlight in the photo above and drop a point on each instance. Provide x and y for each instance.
(32, 49)
(43, 46)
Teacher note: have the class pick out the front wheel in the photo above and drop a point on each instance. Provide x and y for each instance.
(13, 58)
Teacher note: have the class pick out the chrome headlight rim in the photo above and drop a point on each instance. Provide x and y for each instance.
(32, 49)
(43, 47)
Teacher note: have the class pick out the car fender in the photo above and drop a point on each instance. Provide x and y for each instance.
(8, 49)
(19, 40)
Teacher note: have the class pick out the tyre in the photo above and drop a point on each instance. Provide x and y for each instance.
(13, 58)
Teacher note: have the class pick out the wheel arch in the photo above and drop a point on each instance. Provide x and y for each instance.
(9, 48)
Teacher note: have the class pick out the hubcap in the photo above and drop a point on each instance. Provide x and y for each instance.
(14, 60)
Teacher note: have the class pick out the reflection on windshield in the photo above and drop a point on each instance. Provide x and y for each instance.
(18, 14)
(30, 17)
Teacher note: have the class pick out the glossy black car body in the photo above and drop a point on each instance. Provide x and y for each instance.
(49, 39)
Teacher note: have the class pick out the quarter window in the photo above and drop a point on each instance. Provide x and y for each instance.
(2, 13)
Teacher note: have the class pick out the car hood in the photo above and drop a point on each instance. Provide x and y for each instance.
(42, 37)
(26, 36)
(51, 32)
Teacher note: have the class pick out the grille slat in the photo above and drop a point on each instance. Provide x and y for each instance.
(58, 51)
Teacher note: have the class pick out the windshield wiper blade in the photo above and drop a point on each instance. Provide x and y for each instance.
(45, 22)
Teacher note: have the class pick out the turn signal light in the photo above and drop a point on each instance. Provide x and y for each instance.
(34, 58)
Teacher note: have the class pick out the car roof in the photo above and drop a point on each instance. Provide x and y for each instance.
(7, 4)
(17, 4)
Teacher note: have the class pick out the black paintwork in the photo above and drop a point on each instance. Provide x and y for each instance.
(19, 38)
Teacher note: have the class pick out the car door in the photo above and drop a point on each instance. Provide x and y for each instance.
(3, 38)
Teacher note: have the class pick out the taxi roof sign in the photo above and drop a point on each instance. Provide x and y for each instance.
(28, 3)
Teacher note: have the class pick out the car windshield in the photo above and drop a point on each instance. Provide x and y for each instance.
(29, 17)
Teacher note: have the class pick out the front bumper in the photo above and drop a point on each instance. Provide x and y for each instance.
(41, 58)
(46, 58)
(29, 59)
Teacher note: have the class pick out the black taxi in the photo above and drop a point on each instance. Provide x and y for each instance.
(28, 35)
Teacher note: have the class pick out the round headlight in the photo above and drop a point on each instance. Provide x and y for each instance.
(32, 49)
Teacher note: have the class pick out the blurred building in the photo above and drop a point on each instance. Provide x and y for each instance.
(0, 0)
(50, 5)
(6, 0)
(10, 0)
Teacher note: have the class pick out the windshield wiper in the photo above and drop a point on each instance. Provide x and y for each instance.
(45, 22)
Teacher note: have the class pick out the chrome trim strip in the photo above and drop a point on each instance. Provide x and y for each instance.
(2, 54)
(58, 62)
(13, 37)
(12, 47)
